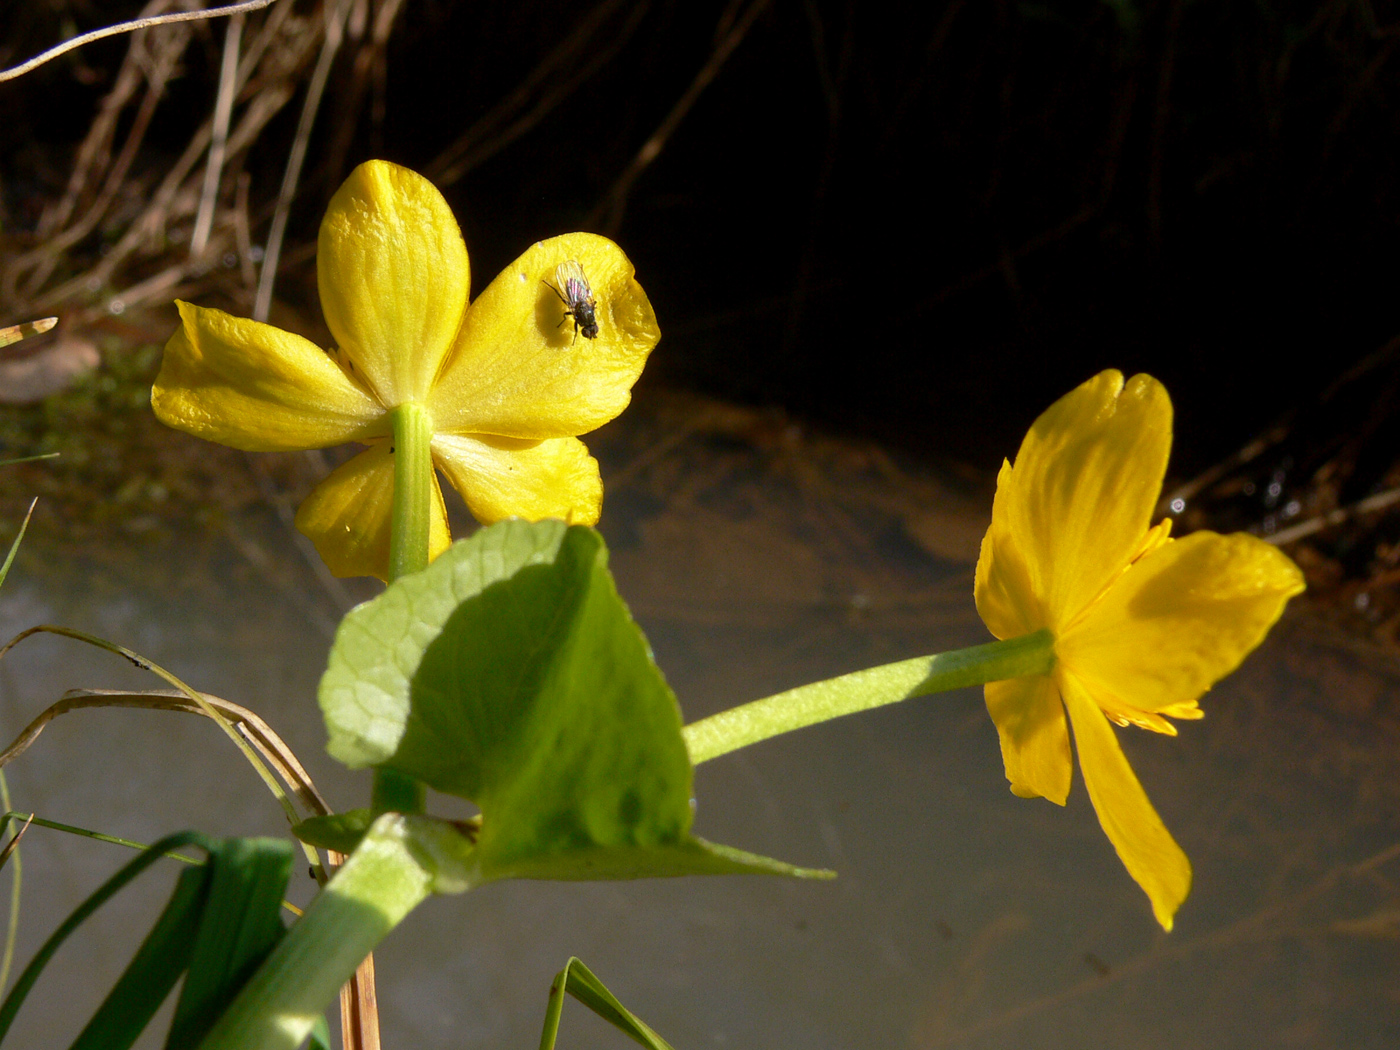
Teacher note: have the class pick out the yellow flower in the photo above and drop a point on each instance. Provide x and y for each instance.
(505, 379)
(1143, 624)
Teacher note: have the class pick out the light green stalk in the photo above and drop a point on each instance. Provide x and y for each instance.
(1031, 654)
(408, 552)
(389, 875)
(413, 490)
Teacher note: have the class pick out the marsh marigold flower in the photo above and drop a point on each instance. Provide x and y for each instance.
(1143, 624)
(505, 381)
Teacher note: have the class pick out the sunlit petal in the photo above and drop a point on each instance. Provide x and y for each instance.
(256, 387)
(1006, 601)
(1030, 721)
(348, 515)
(500, 478)
(520, 370)
(1084, 486)
(392, 270)
(1144, 845)
(1180, 619)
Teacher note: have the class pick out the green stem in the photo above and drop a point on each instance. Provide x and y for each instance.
(1031, 654)
(413, 490)
(86, 833)
(384, 880)
(396, 792)
(7, 957)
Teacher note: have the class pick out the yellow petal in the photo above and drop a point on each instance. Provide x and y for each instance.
(500, 478)
(1030, 721)
(519, 369)
(348, 516)
(392, 270)
(1084, 486)
(1006, 601)
(1144, 845)
(1180, 619)
(258, 388)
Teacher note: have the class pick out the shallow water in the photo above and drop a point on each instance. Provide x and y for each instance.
(963, 917)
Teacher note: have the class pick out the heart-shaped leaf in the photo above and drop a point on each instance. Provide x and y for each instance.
(509, 672)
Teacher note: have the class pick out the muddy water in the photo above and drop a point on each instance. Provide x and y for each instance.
(964, 917)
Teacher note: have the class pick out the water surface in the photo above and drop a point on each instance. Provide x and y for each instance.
(963, 917)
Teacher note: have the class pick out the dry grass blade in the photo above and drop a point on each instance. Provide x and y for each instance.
(218, 144)
(13, 844)
(255, 730)
(15, 332)
(359, 1007)
(128, 27)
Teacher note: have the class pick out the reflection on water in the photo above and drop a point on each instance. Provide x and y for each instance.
(964, 917)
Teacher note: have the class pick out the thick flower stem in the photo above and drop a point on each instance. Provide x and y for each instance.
(379, 885)
(413, 490)
(395, 792)
(1031, 654)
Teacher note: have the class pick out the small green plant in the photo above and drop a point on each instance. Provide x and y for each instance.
(505, 669)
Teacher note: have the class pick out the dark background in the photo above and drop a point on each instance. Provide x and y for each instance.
(922, 221)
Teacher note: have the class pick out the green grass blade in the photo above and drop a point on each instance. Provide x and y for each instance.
(7, 957)
(80, 915)
(400, 862)
(14, 547)
(86, 833)
(29, 459)
(580, 982)
(240, 926)
(320, 1036)
(153, 971)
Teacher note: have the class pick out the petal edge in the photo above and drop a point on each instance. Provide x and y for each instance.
(255, 387)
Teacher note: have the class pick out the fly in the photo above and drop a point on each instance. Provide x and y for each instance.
(577, 297)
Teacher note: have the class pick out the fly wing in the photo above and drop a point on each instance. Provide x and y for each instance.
(568, 275)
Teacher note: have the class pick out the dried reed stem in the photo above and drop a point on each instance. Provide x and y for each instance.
(128, 27)
(335, 22)
(218, 142)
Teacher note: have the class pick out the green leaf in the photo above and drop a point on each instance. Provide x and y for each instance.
(578, 980)
(400, 863)
(339, 831)
(14, 547)
(153, 971)
(320, 1036)
(80, 915)
(240, 926)
(509, 672)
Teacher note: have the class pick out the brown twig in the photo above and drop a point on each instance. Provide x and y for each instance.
(1369, 505)
(607, 216)
(96, 147)
(218, 142)
(158, 71)
(335, 12)
(542, 90)
(367, 61)
(128, 27)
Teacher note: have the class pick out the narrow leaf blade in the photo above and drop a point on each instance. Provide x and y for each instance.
(241, 924)
(99, 897)
(580, 982)
(153, 971)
